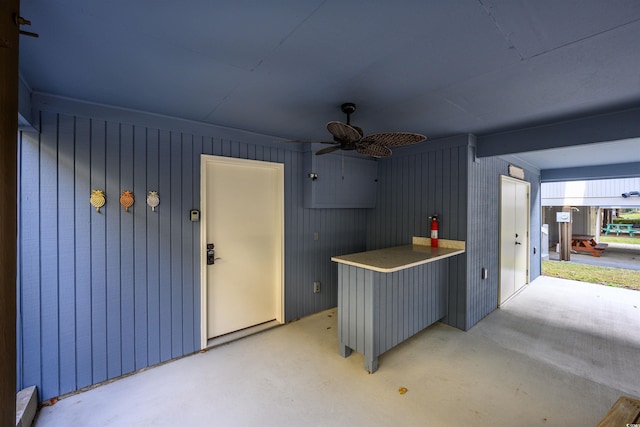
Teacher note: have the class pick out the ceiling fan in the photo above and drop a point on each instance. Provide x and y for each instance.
(349, 137)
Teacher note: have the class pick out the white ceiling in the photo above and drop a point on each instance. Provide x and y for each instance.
(283, 67)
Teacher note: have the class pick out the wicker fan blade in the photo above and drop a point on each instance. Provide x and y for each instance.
(373, 150)
(343, 132)
(327, 150)
(394, 139)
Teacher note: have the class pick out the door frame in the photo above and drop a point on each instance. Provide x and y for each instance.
(206, 159)
(527, 184)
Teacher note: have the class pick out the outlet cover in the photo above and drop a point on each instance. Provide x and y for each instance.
(316, 287)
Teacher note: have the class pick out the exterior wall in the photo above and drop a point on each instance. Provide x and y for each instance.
(483, 238)
(597, 192)
(414, 184)
(484, 230)
(587, 196)
(104, 294)
(444, 177)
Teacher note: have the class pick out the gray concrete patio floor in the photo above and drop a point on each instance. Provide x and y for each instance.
(558, 354)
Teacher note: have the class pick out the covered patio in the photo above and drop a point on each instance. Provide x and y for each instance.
(558, 353)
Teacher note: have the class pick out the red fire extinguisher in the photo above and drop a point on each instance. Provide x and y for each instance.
(434, 231)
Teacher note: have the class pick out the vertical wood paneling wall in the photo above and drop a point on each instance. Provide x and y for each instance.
(414, 184)
(484, 233)
(104, 294)
(444, 177)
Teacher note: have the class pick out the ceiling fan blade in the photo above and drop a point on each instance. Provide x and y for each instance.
(327, 150)
(343, 132)
(373, 150)
(394, 139)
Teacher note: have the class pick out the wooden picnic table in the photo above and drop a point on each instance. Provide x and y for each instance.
(619, 228)
(585, 243)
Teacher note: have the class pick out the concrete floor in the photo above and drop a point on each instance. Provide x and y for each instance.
(558, 354)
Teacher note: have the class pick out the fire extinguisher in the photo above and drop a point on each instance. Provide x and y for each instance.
(434, 231)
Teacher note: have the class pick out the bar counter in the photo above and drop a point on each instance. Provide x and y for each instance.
(397, 258)
(387, 295)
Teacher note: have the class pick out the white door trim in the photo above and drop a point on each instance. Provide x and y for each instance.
(527, 246)
(279, 168)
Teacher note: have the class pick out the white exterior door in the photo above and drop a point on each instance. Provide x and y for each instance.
(514, 236)
(243, 217)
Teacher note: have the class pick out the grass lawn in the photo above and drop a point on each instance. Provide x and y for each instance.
(631, 215)
(612, 238)
(607, 276)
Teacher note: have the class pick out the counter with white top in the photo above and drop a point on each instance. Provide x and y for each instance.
(397, 258)
(387, 295)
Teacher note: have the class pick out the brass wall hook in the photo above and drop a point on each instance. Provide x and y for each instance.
(97, 199)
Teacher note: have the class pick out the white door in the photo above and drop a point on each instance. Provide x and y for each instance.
(242, 216)
(514, 236)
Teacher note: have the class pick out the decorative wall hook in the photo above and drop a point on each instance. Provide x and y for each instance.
(97, 199)
(126, 199)
(153, 200)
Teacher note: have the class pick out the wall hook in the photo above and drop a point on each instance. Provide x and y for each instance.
(153, 200)
(126, 199)
(97, 199)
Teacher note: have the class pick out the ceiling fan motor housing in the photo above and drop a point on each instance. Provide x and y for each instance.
(348, 108)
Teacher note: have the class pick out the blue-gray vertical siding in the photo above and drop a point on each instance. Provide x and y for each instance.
(444, 177)
(414, 184)
(484, 230)
(104, 294)
(101, 295)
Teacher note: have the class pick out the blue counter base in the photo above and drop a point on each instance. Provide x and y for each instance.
(377, 311)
